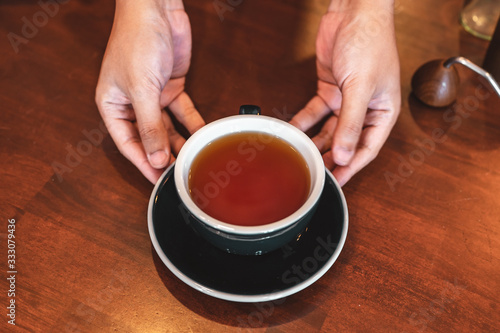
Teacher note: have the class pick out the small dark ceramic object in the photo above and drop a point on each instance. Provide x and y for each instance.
(435, 85)
(436, 82)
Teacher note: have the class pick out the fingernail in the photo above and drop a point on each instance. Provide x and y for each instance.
(342, 155)
(158, 159)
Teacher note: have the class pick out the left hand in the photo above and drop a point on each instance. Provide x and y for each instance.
(358, 85)
(143, 71)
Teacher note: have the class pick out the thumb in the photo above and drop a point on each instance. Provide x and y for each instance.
(152, 130)
(350, 124)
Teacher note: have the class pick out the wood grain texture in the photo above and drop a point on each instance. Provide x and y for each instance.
(423, 249)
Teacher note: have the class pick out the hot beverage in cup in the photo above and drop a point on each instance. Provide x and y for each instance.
(249, 179)
(249, 184)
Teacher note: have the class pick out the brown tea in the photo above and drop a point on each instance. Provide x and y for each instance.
(249, 179)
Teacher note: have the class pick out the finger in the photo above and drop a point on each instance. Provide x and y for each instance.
(128, 142)
(378, 118)
(331, 94)
(328, 160)
(311, 114)
(171, 91)
(370, 145)
(151, 129)
(116, 111)
(343, 173)
(350, 124)
(184, 111)
(176, 140)
(323, 140)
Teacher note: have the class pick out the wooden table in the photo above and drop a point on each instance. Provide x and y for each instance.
(423, 248)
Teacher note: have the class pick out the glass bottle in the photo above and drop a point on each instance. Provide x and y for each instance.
(479, 17)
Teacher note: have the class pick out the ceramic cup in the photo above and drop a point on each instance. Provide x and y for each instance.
(249, 240)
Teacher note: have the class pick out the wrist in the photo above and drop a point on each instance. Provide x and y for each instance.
(356, 5)
(160, 4)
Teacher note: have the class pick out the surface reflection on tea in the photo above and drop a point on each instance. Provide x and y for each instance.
(249, 179)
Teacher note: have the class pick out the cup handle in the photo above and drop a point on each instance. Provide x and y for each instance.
(250, 109)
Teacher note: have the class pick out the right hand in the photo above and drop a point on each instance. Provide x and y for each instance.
(358, 85)
(143, 71)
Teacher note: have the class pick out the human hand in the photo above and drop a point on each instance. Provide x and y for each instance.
(358, 85)
(143, 71)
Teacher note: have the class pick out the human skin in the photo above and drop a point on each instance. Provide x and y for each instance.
(148, 56)
(143, 71)
(358, 84)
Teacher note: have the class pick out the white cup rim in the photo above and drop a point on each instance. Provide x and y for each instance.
(237, 124)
